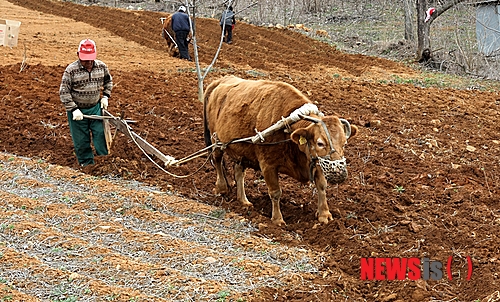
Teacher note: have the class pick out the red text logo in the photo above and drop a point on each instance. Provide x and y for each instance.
(407, 268)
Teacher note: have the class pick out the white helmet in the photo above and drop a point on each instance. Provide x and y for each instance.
(182, 8)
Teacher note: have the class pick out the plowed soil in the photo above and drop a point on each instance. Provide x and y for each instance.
(424, 174)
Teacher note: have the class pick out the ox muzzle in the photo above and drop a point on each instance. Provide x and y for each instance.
(335, 171)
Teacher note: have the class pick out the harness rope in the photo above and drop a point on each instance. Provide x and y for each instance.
(258, 139)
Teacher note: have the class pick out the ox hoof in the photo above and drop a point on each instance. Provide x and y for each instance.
(223, 192)
(279, 222)
(246, 204)
(325, 217)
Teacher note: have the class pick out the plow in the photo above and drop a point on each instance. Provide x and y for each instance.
(121, 124)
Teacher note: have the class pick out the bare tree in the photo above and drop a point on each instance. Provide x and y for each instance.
(202, 75)
(409, 8)
(423, 26)
(312, 6)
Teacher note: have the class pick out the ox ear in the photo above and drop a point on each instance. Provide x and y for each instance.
(300, 136)
(354, 130)
(349, 130)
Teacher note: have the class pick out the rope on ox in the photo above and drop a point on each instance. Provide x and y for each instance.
(295, 116)
(259, 138)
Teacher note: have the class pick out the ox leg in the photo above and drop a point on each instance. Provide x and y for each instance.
(239, 175)
(221, 186)
(323, 212)
(172, 50)
(274, 190)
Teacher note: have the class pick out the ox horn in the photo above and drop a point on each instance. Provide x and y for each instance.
(347, 127)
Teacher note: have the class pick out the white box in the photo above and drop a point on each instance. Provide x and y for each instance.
(9, 32)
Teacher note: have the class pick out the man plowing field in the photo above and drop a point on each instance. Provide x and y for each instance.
(80, 92)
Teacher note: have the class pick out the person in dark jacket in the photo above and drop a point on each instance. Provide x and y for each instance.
(227, 22)
(180, 25)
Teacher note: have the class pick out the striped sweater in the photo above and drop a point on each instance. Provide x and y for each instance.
(81, 88)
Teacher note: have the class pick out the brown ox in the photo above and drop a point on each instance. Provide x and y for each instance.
(307, 150)
(169, 35)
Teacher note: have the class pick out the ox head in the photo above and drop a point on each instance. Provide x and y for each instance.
(323, 142)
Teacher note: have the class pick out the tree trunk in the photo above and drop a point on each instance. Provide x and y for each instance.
(195, 50)
(423, 38)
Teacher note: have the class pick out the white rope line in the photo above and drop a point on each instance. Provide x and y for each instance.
(156, 164)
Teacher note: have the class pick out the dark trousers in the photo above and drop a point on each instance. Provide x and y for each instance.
(81, 134)
(182, 43)
(228, 33)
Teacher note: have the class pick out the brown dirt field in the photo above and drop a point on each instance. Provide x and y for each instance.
(424, 174)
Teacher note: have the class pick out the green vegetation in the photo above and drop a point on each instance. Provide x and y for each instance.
(68, 299)
(218, 213)
(399, 189)
(4, 227)
(256, 73)
(112, 297)
(440, 80)
(222, 295)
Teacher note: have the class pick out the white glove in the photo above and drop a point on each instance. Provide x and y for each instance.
(77, 115)
(104, 102)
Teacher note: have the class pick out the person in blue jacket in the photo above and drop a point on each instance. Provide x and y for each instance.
(180, 25)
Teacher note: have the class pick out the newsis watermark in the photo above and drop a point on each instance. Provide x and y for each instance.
(376, 268)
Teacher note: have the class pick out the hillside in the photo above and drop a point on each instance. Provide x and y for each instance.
(423, 174)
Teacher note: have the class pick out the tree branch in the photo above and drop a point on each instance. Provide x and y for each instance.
(443, 8)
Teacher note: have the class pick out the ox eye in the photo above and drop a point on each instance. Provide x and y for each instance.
(321, 144)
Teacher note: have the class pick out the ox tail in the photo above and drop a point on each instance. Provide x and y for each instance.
(206, 131)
